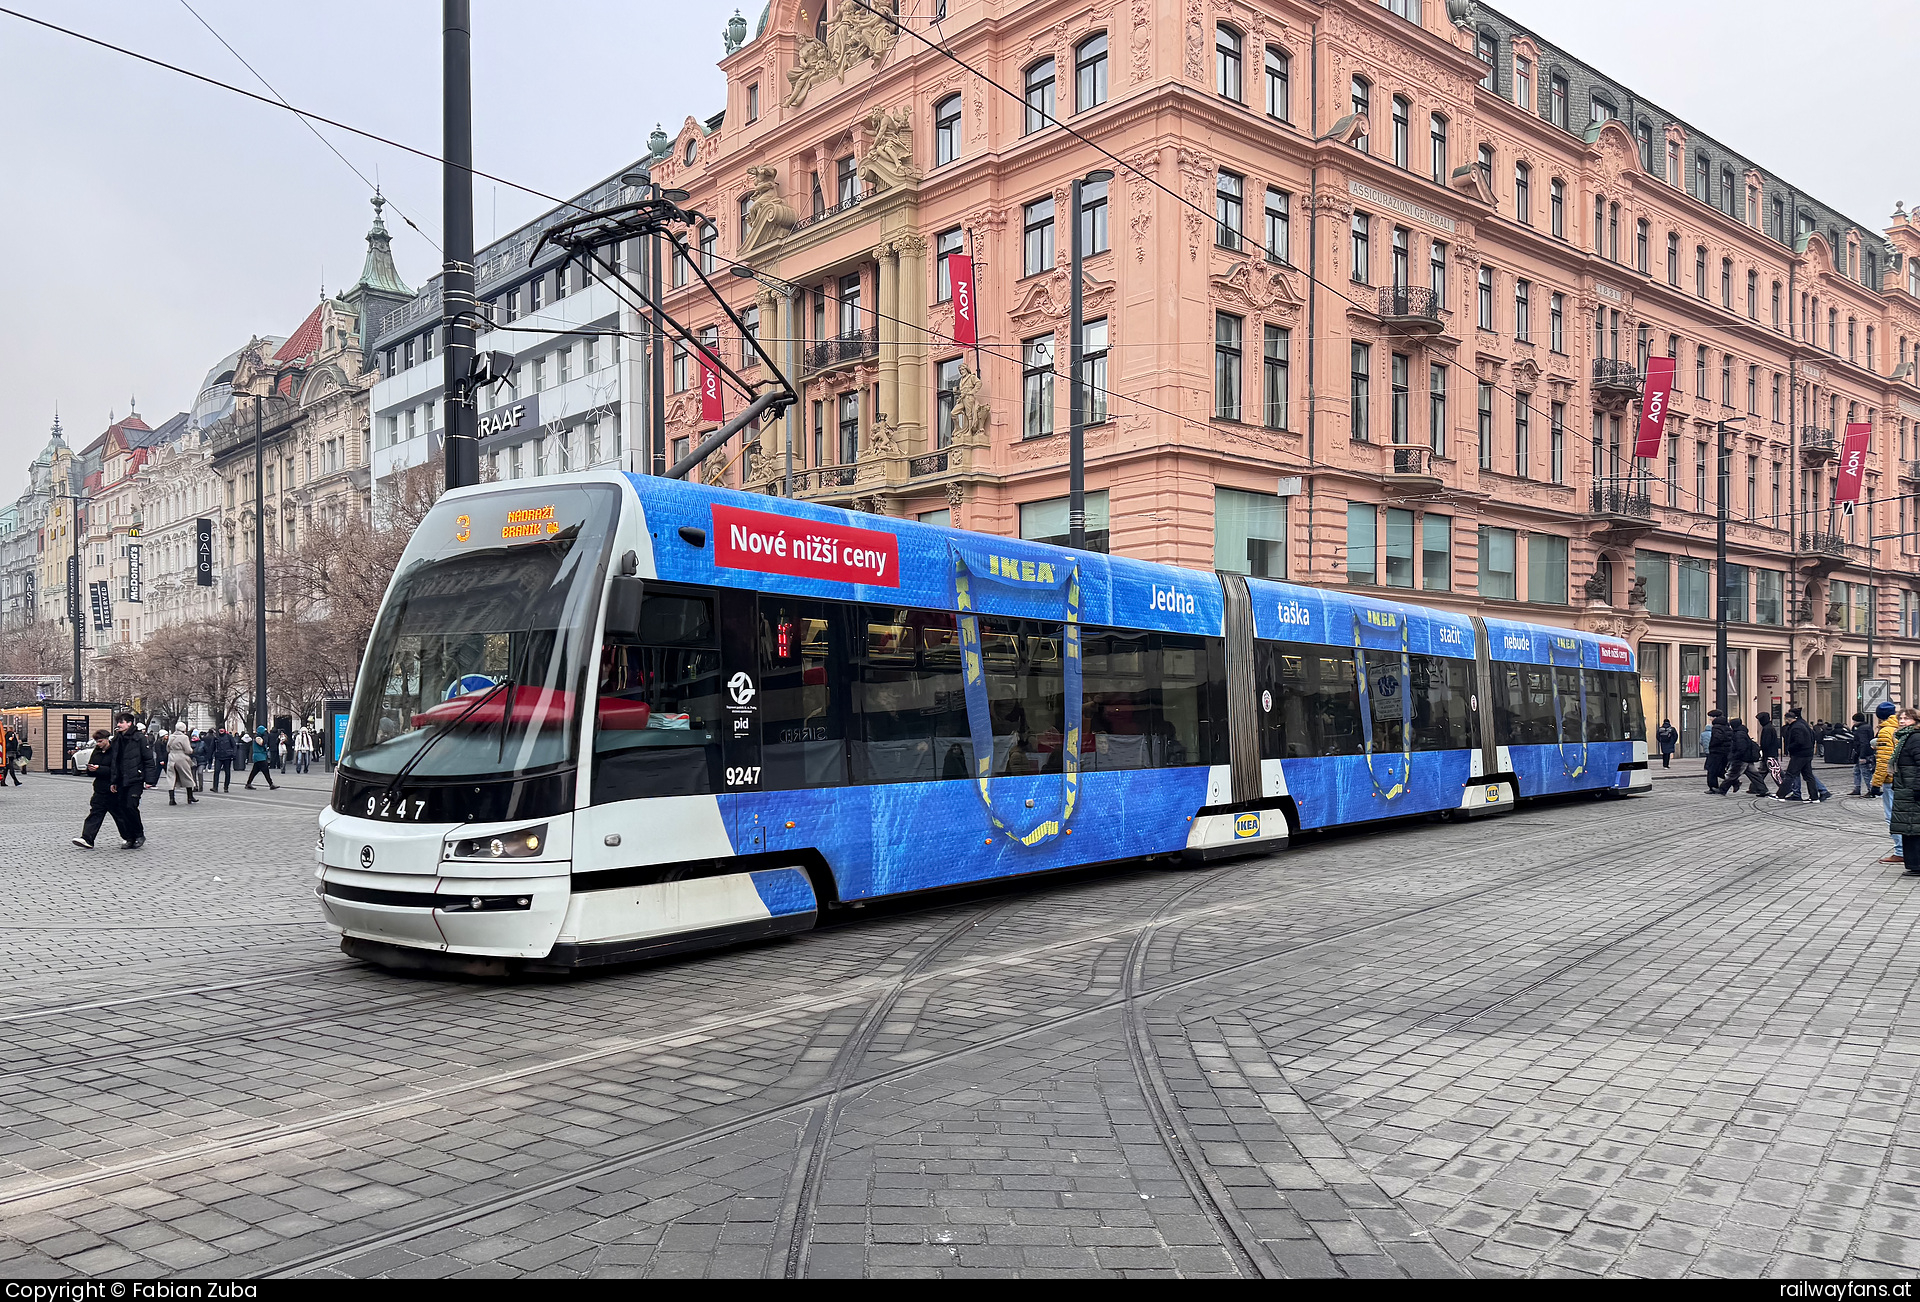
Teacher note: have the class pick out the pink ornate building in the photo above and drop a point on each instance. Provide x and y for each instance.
(1368, 301)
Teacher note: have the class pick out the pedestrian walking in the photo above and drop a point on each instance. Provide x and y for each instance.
(1797, 739)
(1668, 737)
(117, 765)
(1863, 739)
(1770, 748)
(197, 748)
(18, 753)
(1889, 727)
(302, 749)
(1903, 779)
(226, 749)
(1716, 739)
(180, 766)
(262, 759)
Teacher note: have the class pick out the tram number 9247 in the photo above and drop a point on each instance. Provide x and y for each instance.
(397, 810)
(744, 776)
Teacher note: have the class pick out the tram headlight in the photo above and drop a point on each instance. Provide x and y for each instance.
(523, 843)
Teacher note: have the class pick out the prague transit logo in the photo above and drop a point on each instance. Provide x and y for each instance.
(740, 688)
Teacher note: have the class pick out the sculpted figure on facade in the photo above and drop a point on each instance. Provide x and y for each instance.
(889, 157)
(854, 32)
(769, 217)
(812, 65)
(972, 416)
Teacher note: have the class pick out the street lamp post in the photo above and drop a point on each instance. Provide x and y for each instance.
(259, 562)
(458, 305)
(1720, 572)
(1077, 436)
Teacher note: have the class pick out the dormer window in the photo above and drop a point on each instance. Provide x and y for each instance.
(692, 151)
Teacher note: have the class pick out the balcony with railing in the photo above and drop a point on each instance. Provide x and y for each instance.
(1408, 469)
(1823, 544)
(1615, 380)
(933, 463)
(1410, 307)
(1910, 471)
(1817, 446)
(1612, 500)
(826, 214)
(854, 346)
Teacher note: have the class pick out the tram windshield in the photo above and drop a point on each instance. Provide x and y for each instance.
(478, 663)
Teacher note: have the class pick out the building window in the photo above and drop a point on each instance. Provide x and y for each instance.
(946, 130)
(1047, 522)
(1279, 242)
(1643, 135)
(1399, 418)
(750, 319)
(846, 180)
(1090, 73)
(1602, 111)
(1486, 297)
(1557, 442)
(1228, 190)
(1753, 295)
(1093, 371)
(1437, 408)
(1700, 270)
(1399, 255)
(1753, 390)
(1522, 311)
(1496, 563)
(1401, 136)
(947, 380)
(1399, 547)
(1226, 366)
(1642, 253)
(1360, 272)
(1279, 90)
(1039, 95)
(1363, 542)
(1093, 218)
(1700, 370)
(709, 249)
(680, 381)
(1557, 207)
(1039, 237)
(1277, 354)
(1557, 101)
(1486, 425)
(1037, 387)
(1546, 569)
(1523, 82)
(1673, 258)
(1701, 185)
(1249, 533)
(1726, 283)
(1436, 553)
(1437, 137)
(1484, 165)
(1437, 274)
(1362, 104)
(1360, 395)
(945, 245)
(1523, 193)
(1726, 380)
(753, 102)
(1226, 62)
(1486, 49)
(849, 304)
(849, 427)
(1727, 199)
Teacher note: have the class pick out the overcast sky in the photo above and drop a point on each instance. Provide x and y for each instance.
(154, 223)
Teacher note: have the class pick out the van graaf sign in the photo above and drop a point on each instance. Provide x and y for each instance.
(1405, 207)
(517, 417)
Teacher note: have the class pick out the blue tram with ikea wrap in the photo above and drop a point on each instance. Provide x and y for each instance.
(605, 716)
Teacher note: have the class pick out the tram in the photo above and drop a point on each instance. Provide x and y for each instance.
(604, 717)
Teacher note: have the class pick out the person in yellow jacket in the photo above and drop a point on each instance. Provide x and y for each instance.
(1883, 744)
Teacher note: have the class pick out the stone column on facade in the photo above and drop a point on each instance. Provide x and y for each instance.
(775, 329)
(912, 398)
(887, 261)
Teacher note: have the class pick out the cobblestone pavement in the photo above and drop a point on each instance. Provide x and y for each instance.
(1668, 1036)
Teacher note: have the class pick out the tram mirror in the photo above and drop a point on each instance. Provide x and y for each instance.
(624, 600)
(630, 562)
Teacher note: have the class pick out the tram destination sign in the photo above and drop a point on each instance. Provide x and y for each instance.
(804, 549)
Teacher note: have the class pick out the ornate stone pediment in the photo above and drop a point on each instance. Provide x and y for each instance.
(1262, 287)
(1050, 296)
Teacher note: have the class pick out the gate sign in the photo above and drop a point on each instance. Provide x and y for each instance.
(804, 549)
(203, 553)
(1653, 407)
(960, 276)
(1853, 463)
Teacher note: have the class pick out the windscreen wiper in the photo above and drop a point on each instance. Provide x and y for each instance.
(413, 761)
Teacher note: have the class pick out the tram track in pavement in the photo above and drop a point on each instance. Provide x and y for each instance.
(743, 1014)
(645, 1152)
(800, 1206)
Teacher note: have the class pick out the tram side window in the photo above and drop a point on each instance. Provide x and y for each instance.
(1523, 705)
(909, 698)
(1317, 700)
(1151, 699)
(1573, 725)
(658, 728)
(1635, 709)
(805, 693)
(1442, 714)
(1603, 706)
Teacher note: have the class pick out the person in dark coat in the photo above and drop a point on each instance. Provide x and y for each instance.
(1770, 747)
(118, 781)
(1903, 777)
(225, 752)
(1797, 739)
(106, 802)
(1719, 738)
(262, 747)
(1862, 733)
(1669, 737)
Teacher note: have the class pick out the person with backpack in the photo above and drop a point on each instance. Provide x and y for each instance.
(262, 759)
(1863, 739)
(1668, 737)
(1903, 780)
(302, 749)
(1743, 756)
(1797, 738)
(225, 750)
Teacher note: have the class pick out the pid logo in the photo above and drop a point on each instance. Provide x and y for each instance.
(740, 688)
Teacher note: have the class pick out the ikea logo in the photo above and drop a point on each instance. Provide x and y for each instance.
(1007, 567)
(1566, 644)
(1245, 826)
(1383, 619)
(1172, 599)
